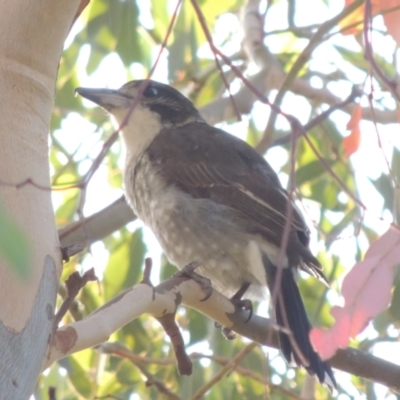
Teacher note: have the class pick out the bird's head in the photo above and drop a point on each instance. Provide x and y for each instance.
(155, 107)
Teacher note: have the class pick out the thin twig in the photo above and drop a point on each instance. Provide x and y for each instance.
(319, 118)
(52, 393)
(369, 56)
(227, 369)
(315, 41)
(121, 351)
(74, 284)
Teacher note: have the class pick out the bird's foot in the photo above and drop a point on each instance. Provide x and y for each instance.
(226, 332)
(238, 302)
(245, 304)
(188, 271)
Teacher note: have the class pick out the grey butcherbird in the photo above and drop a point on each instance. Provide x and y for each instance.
(209, 197)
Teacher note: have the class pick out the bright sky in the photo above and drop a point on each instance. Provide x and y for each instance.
(77, 131)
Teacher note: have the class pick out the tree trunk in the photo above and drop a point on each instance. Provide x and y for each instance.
(32, 34)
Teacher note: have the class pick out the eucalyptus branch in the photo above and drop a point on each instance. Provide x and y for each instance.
(164, 298)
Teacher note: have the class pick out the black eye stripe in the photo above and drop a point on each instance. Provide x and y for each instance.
(167, 102)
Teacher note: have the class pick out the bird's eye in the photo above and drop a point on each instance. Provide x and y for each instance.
(151, 91)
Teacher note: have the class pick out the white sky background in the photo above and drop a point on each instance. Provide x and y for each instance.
(77, 131)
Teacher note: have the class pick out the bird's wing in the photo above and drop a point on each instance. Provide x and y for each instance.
(207, 162)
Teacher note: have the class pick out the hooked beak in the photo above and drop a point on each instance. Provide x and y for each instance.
(109, 99)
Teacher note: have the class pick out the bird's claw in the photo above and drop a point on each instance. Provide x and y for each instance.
(238, 302)
(188, 271)
(245, 304)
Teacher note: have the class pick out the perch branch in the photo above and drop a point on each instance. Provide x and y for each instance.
(162, 299)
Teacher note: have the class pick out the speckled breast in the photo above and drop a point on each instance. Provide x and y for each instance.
(189, 229)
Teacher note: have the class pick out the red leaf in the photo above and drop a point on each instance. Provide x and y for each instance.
(351, 143)
(391, 18)
(367, 292)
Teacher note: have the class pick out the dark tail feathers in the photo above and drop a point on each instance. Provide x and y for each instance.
(290, 313)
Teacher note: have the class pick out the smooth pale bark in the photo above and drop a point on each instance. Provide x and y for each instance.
(32, 34)
(165, 298)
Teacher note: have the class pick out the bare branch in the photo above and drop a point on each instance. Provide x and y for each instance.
(73, 284)
(98, 225)
(120, 350)
(314, 42)
(318, 119)
(140, 299)
(271, 77)
(253, 27)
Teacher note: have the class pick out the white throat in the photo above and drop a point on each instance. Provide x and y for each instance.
(143, 126)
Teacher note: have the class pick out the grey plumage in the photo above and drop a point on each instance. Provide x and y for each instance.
(209, 197)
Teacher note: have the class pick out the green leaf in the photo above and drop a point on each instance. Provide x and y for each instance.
(14, 247)
(96, 19)
(66, 211)
(197, 326)
(128, 374)
(183, 50)
(167, 269)
(357, 59)
(310, 172)
(381, 322)
(161, 19)
(384, 186)
(349, 217)
(335, 142)
(212, 88)
(65, 98)
(125, 264)
(95, 58)
(77, 375)
(213, 9)
(123, 24)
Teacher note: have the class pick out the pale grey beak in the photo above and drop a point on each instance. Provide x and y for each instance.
(106, 98)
